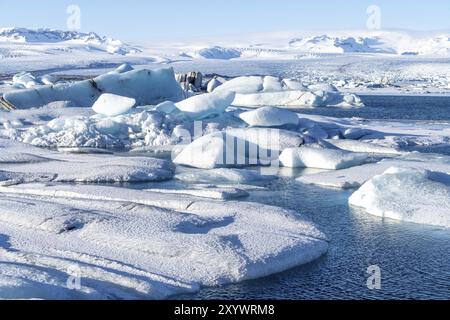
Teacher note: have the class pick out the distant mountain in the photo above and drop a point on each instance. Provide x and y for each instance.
(66, 40)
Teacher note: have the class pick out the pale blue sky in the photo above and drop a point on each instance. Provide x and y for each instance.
(178, 19)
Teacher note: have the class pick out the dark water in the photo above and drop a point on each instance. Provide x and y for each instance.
(414, 259)
(417, 108)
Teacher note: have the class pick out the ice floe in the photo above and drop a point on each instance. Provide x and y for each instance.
(269, 117)
(205, 105)
(147, 87)
(141, 244)
(113, 105)
(271, 91)
(320, 158)
(238, 147)
(410, 195)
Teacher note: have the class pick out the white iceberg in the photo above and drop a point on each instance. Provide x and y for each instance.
(147, 87)
(238, 147)
(271, 91)
(26, 80)
(315, 157)
(205, 105)
(269, 117)
(134, 244)
(405, 194)
(112, 105)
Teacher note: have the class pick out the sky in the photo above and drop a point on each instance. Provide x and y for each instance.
(180, 19)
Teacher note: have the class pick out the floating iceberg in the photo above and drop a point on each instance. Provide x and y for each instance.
(271, 91)
(410, 195)
(269, 117)
(315, 157)
(205, 105)
(147, 87)
(140, 244)
(112, 105)
(238, 147)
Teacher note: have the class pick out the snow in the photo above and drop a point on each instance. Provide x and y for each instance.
(145, 86)
(362, 147)
(113, 105)
(65, 38)
(229, 176)
(272, 91)
(127, 249)
(410, 195)
(205, 105)
(217, 53)
(238, 147)
(315, 157)
(355, 177)
(269, 117)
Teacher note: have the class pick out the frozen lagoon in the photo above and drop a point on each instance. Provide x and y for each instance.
(307, 202)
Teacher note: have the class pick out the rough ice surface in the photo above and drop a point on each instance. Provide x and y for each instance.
(269, 117)
(271, 91)
(141, 244)
(205, 105)
(355, 177)
(222, 175)
(410, 195)
(113, 105)
(238, 147)
(320, 158)
(361, 146)
(56, 167)
(145, 86)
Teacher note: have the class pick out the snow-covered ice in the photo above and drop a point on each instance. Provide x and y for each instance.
(269, 117)
(202, 106)
(320, 158)
(138, 247)
(410, 195)
(113, 105)
(238, 147)
(147, 87)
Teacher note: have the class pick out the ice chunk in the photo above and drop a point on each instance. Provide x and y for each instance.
(134, 244)
(269, 117)
(113, 105)
(166, 107)
(213, 84)
(238, 147)
(359, 146)
(232, 176)
(124, 68)
(319, 158)
(205, 105)
(26, 80)
(147, 87)
(410, 195)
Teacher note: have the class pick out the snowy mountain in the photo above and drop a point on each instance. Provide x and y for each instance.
(289, 45)
(51, 40)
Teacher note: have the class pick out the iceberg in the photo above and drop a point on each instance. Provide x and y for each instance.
(135, 244)
(269, 117)
(410, 195)
(205, 105)
(254, 91)
(113, 105)
(147, 87)
(238, 147)
(315, 157)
